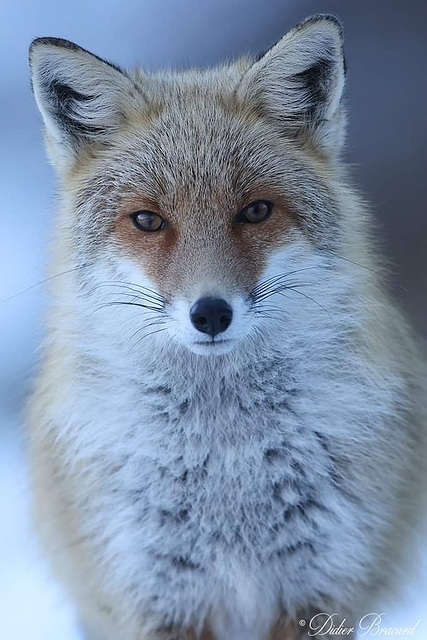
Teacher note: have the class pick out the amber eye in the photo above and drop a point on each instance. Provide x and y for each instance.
(148, 221)
(257, 211)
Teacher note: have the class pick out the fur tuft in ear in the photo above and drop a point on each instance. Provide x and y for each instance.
(299, 82)
(83, 99)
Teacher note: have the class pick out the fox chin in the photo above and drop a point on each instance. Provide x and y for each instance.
(228, 431)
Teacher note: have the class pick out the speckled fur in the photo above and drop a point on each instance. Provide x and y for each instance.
(183, 493)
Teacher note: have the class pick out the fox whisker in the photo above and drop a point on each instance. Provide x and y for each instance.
(275, 279)
(151, 333)
(144, 291)
(130, 304)
(151, 320)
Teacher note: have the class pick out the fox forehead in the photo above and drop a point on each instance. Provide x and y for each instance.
(199, 151)
(192, 142)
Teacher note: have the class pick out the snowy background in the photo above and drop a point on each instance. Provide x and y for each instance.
(387, 95)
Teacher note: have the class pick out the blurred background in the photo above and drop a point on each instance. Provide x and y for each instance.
(387, 96)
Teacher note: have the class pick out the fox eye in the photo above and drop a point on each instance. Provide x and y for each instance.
(148, 221)
(257, 211)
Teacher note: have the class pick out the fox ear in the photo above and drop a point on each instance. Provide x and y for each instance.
(83, 99)
(299, 82)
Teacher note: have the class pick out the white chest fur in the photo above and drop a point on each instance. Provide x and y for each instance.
(222, 501)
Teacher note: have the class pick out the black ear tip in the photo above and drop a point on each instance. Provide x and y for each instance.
(61, 43)
(33, 46)
(323, 17)
(54, 42)
(51, 42)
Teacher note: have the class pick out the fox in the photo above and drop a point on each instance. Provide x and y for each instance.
(227, 435)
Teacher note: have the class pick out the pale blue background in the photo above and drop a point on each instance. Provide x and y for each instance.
(386, 50)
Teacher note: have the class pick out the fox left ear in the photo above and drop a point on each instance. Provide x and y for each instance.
(299, 82)
(83, 99)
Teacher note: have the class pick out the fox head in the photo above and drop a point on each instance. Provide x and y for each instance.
(191, 200)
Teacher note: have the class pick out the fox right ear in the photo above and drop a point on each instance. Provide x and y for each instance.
(299, 82)
(83, 99)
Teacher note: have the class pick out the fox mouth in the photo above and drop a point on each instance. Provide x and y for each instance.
(206, 347)
(211, 343)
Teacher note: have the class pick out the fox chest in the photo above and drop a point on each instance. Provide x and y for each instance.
(264, 504)
(243, 503)
(228, 524)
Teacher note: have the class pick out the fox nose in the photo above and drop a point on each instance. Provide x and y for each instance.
(211, 315)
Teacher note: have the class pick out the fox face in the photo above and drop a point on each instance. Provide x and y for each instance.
(193, 199)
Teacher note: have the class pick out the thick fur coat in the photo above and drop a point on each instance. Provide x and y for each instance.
(218, 488)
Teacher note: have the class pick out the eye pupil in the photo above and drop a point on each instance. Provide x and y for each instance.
(148, 221)
(257, 211)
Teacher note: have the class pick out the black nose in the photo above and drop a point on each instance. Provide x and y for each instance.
(211, 315)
